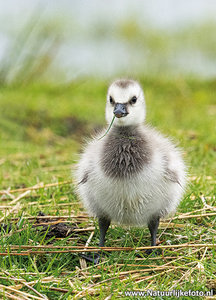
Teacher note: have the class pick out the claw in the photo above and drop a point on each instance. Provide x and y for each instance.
(148, 251)
(95, 258)
(153, 251)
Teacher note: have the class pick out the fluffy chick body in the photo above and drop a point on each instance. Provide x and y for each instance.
(130, 182)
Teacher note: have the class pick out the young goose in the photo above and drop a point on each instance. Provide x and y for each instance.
(133, 175)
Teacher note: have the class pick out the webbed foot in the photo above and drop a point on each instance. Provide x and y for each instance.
(153, 251)
(93, 258)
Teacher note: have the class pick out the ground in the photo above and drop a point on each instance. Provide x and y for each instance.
(43, 128)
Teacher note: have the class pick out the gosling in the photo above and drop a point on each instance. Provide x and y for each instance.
(133, 175)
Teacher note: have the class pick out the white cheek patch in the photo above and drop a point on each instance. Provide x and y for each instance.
(124, 94)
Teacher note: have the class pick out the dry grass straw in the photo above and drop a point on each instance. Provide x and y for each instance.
(80, 249)
(135, 275)
(13, 292)
(25, 284)
(82, 261)
(41, 186)
(4, 289)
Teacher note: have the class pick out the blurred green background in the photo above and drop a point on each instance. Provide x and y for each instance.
(59, 42)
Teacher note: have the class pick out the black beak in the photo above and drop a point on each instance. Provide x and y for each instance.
(120, 110)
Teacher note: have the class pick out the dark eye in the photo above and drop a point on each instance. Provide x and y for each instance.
(111, 100)
(133, 100)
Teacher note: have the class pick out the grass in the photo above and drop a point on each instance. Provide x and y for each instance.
(42, 130)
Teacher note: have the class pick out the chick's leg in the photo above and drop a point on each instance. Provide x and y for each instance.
(153, 228)
(104, 224)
